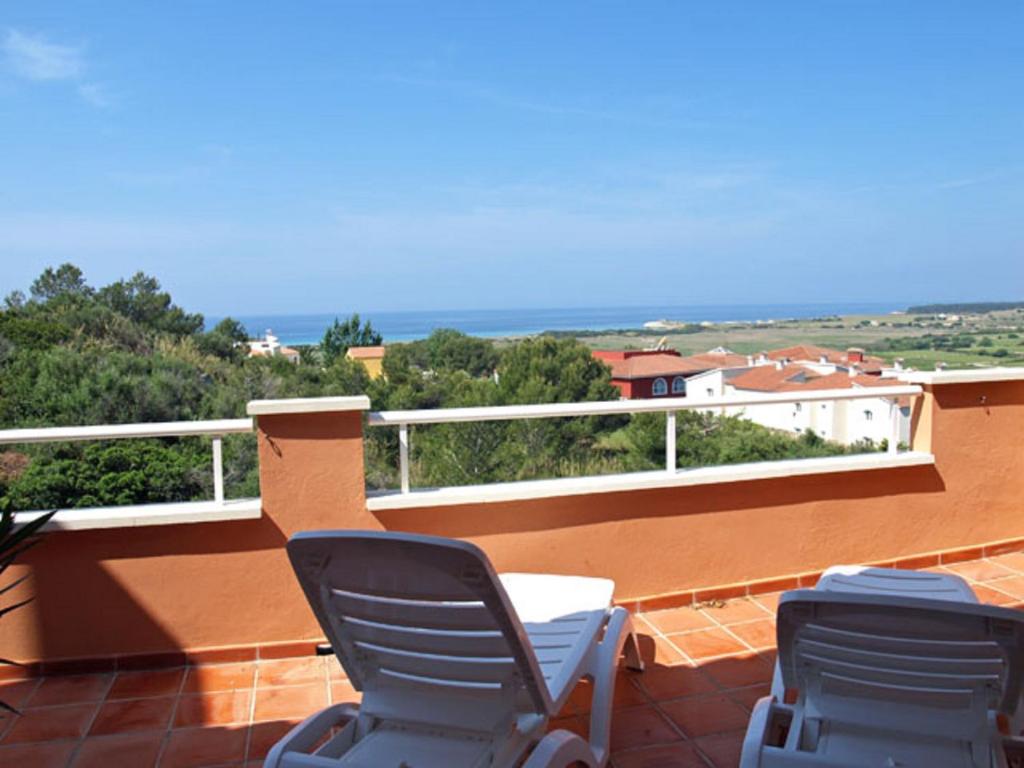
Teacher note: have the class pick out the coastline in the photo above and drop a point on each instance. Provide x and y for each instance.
(298, 330)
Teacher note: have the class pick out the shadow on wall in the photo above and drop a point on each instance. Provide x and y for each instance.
(89, 587)
(470, 520)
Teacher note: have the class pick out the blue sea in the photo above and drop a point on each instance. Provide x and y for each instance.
(408, 326)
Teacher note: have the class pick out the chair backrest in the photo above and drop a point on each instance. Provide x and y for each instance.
(930, 667)
(422, 626)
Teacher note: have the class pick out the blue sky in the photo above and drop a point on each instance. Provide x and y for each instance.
(328, 156)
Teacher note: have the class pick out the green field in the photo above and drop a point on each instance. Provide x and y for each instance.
(994, 338)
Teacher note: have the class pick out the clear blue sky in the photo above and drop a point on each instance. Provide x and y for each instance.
(328, 156)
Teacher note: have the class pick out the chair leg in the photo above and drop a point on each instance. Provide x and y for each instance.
(634, 660)
(561, 749)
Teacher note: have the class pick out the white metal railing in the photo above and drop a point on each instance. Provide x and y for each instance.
(215, 428)
(670, 406)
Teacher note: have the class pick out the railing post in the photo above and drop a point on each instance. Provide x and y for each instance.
(670, 441)
(894, 420)
(218, 468)
(403, 455)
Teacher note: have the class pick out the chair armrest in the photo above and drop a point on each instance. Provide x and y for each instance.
(310, 731)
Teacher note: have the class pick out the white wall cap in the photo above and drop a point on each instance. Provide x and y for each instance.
(307, 405)
(967, 376)
(637, 481)
(136, 515)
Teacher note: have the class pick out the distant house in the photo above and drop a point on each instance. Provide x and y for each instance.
(845, 421)
(647, 373)
(270, 346)
(372, 359)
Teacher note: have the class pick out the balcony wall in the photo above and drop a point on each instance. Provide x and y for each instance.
(671, 540)
(196, 587)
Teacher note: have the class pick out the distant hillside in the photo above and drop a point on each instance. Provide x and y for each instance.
(980, 307)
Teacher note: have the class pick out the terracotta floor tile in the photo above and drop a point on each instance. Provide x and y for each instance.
(133, 715)
(287, 703)
(50, 723)
(656, 651)
(723, 748)
(678, 755)
(126, 750)
(748, 697)
(342, 692)
(701, 715)
(708, 642)
(263, 736)
(674, 682)
(640, 727)
(70, 689)
(143, 684)
(736, 610)
(50, 754)
(756, 634)
(1013, 586)
(220, 677)
(625, 695)
(678, 620)
(300, 671)
(213, 709)
(199, 747)
(15, 693)
(989, 593)
(980, 570)
(1012, 560)
(738, 671)
(769, 600)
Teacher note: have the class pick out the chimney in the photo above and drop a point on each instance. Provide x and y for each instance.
(852, 371)
(750, 361)
(940, 366)
(898, 363)
(855, 355)
(823, 359)
(780, 364)
(762, 358)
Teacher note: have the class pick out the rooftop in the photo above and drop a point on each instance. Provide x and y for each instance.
(132, 667)
(706, 666)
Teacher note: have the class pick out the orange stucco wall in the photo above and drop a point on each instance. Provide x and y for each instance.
(166, 588)
(163, 588)
(670, 540)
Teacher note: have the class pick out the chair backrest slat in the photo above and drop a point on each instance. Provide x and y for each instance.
(924, 666)
(415, 619)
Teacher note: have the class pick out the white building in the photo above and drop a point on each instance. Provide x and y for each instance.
(845, 421)
(270, 346)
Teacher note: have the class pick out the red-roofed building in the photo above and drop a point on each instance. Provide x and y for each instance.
(647, 373)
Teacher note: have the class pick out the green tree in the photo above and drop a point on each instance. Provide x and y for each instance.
(141, 301)
(65, 281)
(342, 335)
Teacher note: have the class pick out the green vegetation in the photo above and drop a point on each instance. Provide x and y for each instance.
(976, 308)
(71, 354)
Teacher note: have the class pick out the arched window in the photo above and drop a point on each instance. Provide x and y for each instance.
(678, 386)
(660, 387)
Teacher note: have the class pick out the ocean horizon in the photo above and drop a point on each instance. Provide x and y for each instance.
(497, 323)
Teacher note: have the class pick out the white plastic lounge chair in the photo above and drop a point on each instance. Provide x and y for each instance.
(886, 582)
(902, 681)
(457, 666)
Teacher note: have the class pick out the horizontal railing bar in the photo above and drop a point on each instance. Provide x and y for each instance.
(124, 431)
(610, 407)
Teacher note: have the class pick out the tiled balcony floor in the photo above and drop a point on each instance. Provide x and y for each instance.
(706, 668)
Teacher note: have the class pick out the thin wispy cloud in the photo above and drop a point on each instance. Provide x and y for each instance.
(34, 57)
(498, 98)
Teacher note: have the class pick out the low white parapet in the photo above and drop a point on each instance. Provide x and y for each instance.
(307, 405)
(636, 481)
(134, 516)
(966, 376)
